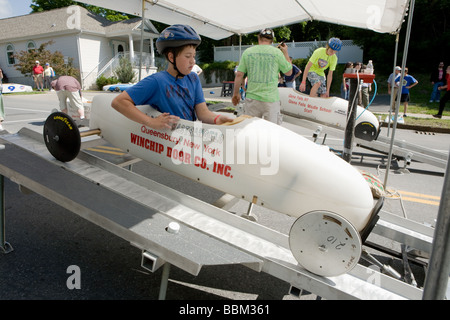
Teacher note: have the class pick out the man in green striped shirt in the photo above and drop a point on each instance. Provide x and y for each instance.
(262, 64)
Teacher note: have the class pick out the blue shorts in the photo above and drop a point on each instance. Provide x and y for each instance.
(314, 78)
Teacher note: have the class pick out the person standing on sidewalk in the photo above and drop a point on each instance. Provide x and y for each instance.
(437, 80)
(393, 85)
(38, 76)
(408, 82)
(262, 64)
(49, 73)
(446, 96)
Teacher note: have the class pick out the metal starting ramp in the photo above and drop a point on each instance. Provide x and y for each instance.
(143, 212)
(401, 149)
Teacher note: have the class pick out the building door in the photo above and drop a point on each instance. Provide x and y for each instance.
(119, 46)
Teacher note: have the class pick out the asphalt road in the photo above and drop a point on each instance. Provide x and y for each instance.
(48, 239)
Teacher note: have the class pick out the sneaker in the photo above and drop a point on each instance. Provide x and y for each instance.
(431, 101)
(439, 116)
(405, 115)
(438, 101)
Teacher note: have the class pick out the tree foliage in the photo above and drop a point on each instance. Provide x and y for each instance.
(27, 59)
(44, 5)
(429, 42)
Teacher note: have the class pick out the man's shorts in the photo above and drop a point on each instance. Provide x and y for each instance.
(404, 97)
(38, 77)
(314, 78)
(266, 110)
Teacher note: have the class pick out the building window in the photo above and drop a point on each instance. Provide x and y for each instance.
(10, 54)
(31, 46)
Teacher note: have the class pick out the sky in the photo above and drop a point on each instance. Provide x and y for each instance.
(14, 8)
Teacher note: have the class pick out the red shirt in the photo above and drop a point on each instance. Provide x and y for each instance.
(447, 76)
(38, 69)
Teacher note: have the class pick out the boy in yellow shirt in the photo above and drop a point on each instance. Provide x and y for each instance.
(321, 59)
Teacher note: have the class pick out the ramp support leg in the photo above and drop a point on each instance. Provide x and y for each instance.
(5, 247)
(164, 281)
(250, 215)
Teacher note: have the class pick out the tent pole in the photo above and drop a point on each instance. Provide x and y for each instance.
(240, 47)
(399, 91)
(142, 40)
(392, 88)
(436, 279)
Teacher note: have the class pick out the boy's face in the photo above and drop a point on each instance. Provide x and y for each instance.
(186, 60)
(330, 51)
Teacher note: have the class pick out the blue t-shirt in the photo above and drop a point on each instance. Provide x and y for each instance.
(407, 81)
(290, 78)
(166, 94)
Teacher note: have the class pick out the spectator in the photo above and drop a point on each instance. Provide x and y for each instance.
(48, 76)
(446, 96)
(38, 76)
(408, 83)
(366, 88)
(393, 85)
(289, 81)
(437, 79)
(345, 86)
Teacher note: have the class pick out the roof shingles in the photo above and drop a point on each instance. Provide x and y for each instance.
(62, 20)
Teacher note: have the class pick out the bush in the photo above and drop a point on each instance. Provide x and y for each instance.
(103, 81)
(223, 70)
(124, 72)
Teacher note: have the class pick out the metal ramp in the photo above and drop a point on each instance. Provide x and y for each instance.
(401, 149)
(140, 210)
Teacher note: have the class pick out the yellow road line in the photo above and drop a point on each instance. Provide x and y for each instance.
(413, 197)
(434, 203)
(420, 195)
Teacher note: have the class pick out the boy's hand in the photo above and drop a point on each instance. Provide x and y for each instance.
(164, 121)
(223, 119)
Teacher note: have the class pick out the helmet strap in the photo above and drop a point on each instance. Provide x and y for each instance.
(174, 64)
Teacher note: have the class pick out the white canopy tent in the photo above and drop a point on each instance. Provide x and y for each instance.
(220, 19)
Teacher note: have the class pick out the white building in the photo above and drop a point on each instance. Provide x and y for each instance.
(92, 41)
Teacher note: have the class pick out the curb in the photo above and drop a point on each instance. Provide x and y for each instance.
(418, 128)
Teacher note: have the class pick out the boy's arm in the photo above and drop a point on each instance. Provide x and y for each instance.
(207, 116)
(305, 75)
(125, 105)
(329, 79)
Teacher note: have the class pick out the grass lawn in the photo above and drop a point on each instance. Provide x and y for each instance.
(419, 102)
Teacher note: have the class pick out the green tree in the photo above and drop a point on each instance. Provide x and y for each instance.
(44, 5)
(27, 59)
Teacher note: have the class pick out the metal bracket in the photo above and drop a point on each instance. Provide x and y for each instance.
(151, 262)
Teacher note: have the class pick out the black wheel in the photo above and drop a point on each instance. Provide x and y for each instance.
(62, 137)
